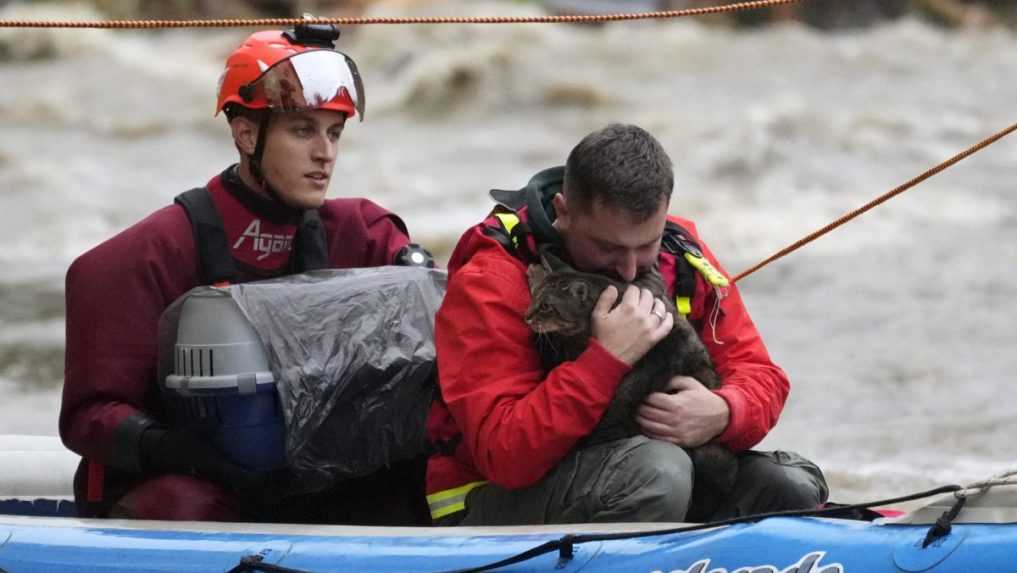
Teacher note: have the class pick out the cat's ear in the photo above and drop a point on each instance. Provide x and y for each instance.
(552, 262)
(536, 274)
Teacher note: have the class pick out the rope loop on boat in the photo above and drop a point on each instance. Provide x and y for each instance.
(876, 202)
(361, 21)
(943, 526)
(255, 563)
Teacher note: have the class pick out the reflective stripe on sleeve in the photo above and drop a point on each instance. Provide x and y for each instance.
(449, 501)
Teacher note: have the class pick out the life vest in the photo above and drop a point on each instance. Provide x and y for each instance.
(524, 219)
(215, 259)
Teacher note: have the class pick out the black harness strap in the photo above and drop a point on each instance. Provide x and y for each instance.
(310, 245)
(217, 265)
(503, 236)
(214, 255)
(676, 242)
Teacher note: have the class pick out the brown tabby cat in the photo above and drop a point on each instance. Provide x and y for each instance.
(560, 317)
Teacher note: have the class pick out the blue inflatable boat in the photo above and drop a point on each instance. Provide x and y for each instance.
(977, 535)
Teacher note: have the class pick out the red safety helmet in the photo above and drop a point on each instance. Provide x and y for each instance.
(290, 71)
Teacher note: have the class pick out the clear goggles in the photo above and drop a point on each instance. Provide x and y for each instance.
(310, 80)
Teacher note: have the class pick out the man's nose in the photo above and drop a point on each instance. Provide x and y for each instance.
(323, 149)
(627, 267)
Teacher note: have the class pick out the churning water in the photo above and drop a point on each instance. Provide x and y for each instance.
(897, 330)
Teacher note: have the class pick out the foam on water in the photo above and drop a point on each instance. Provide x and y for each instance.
(896, 330)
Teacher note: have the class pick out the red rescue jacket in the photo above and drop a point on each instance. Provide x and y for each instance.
(517, 422)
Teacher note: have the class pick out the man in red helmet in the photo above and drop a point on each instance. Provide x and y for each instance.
(287, 96)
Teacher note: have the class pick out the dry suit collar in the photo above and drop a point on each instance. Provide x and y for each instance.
(537, 197)
(264, 206)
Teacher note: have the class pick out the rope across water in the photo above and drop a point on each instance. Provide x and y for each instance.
(550, 19)
(361, 21)
(876, 202)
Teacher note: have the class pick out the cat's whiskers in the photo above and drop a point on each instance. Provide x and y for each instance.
(545, 340)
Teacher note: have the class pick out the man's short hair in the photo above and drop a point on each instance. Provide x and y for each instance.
(620, 166)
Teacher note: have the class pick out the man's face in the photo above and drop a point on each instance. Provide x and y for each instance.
(610, 240)
(299, 155)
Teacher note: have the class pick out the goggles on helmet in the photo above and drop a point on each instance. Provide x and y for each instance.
(314, 79)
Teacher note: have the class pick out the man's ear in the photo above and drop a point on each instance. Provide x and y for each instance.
(245, 134)
(561, 211)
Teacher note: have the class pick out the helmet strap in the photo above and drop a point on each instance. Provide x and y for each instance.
(259, 152)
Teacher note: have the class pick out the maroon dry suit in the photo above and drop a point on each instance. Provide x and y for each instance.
(115, 294)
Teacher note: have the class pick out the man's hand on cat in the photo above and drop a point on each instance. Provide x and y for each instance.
(631, 329)
(690, 417)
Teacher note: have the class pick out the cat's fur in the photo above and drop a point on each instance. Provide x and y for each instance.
(560, 316)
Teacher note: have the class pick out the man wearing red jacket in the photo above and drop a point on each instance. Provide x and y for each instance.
(287, 96)
(510, 430)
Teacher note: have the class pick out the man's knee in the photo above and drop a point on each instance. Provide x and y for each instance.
(646, 480)
(782, 480)
(177, 498)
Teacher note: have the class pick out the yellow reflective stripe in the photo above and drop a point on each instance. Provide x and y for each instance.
(508, 220)
(456, 491)
(684, 304)
(440, 512)
(449, 501)
(707, 270)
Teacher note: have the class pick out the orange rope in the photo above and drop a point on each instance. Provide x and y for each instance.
(563, 19)
(358, 21)
(877, 201)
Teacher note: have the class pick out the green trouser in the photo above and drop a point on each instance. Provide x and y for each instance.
(642, 480)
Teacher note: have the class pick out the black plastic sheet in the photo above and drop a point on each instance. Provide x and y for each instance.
(353, 355)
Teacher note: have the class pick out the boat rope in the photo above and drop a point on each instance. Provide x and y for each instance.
(1005, 474)
(565, 546)
(365, 20)
(876, 202)
(1004, 478)
(943, 524)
